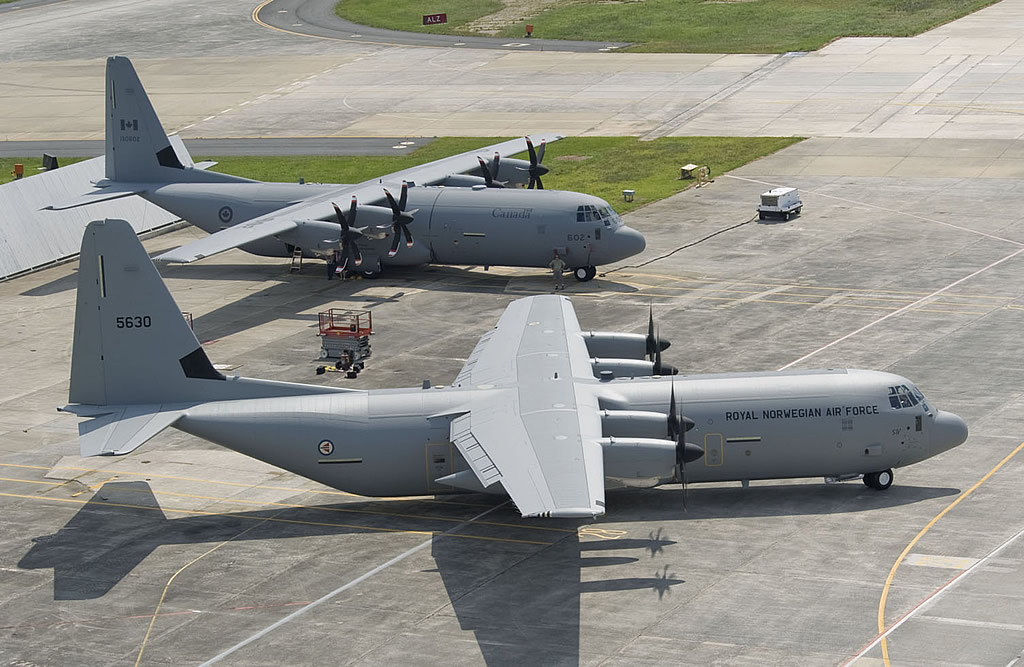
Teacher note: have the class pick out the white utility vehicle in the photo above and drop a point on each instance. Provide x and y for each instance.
(784, 202)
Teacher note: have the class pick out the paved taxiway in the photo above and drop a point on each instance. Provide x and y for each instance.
(181, 551)
(219, 548)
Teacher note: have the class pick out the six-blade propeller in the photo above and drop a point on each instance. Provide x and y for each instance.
(400, 219)
(349, 234)
(536, 169)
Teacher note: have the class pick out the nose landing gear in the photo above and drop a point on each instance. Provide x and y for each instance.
(584, 273)
(880, 481)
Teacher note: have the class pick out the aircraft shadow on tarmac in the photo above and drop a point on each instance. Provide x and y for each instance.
(523, 607)
(279, 300)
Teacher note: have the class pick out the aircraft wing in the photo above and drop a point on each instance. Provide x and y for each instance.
(434, 172)
(537, 432)
(319, 207)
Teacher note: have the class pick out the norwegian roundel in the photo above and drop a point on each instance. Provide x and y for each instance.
(326, 447)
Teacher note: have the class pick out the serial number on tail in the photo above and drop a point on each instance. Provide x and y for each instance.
(134, 322)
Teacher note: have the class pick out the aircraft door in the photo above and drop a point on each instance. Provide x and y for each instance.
(438, 464)
(713, 454)
(579, 247)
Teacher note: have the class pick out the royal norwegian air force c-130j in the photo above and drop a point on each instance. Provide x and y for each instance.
(449, 216)
(532, 414)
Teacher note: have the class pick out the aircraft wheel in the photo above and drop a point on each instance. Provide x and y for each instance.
(585, 273)
(880, 481)
(369, 275)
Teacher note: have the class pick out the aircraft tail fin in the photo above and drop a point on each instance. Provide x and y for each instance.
(138, 149)
(136, 366)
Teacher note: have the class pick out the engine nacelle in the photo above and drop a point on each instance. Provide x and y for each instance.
(638, 462)
(629, 368)
(615, 344)
(618, 344)
(462, 180)
(633, 424)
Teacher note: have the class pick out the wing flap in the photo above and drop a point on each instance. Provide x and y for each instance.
(534, 426)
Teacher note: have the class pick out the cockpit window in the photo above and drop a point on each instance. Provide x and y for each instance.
(901, 397)
(591, 213)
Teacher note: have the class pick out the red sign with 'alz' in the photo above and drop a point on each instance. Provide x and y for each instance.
(434, 19)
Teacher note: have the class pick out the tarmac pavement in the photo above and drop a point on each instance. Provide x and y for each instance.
(907, 257)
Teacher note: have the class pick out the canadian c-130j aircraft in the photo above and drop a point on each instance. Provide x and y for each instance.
(450, 216)
(529, 414)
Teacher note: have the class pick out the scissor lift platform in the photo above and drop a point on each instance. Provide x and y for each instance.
(345, 334)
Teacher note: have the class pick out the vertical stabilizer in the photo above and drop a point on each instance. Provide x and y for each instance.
(137, 148)
(132, 345)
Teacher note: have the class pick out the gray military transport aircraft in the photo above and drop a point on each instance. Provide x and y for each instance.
(450, 216)
(528, 415)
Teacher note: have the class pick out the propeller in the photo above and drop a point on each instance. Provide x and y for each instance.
(400, 218)
(686, 452)
(654, 343)
(659, 367)
(349, 249)
(491, 175)
(536, 169)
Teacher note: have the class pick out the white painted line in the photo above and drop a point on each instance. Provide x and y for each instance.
(931, 599)
(904, 308)
(1012, 627)
(358, 580)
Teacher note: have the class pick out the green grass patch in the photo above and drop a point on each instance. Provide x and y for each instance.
(31, 166)
(691, 26)
(600, 166)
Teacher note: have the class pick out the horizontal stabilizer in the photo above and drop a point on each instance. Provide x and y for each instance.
(226, 239)
(96, 196)
(123, 429)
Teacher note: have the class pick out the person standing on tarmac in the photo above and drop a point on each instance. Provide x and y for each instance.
(557, 266)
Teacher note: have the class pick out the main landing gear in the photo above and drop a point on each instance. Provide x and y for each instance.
(880, 481)
(584, 273)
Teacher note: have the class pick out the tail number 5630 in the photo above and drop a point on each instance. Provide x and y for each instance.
(134, 322)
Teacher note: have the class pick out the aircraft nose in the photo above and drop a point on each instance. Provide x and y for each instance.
(948, 431)
(629, 242)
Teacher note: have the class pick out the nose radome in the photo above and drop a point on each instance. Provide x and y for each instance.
(949, 431)
(632, 242)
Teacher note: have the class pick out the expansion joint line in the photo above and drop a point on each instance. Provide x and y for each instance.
(167, 586)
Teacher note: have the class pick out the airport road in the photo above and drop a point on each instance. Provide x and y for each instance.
(182, 551)
(957, 81)
(317, 18)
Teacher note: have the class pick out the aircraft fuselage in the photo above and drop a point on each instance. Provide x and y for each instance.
(501, 227)
(751, 426)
